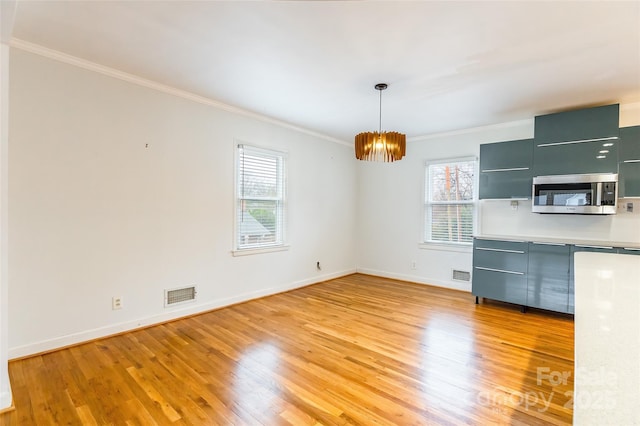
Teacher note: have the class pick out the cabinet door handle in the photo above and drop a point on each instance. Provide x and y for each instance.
(513, 169)
(598, 247)
(610, 138)
(499, 270)
(632, 249)
(500, 250)
(549, 244)
(631, 161)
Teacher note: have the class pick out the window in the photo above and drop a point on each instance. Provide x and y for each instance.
(450, 201)
(260, 191)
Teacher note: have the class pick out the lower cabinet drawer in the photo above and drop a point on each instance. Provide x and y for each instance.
(509, 261)
(505, 286)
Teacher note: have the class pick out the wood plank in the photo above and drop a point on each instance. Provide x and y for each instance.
(354, 350)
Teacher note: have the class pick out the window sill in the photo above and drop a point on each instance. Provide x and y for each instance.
(459, 248)
(259, 250)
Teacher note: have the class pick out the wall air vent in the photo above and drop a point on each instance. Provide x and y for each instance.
(460, 275)
(179, 296)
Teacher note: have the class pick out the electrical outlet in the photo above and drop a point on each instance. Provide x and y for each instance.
(318, 267)
(413, 265)
(116, 303)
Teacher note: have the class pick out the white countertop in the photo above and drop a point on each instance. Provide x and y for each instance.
(552, 240)
(607, 339)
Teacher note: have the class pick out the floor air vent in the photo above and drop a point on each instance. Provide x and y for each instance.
(179, 295)
(460, 275)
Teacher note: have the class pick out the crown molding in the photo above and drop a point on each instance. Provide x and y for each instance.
(150, 84)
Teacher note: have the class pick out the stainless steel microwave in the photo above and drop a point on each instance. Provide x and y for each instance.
(576, 194)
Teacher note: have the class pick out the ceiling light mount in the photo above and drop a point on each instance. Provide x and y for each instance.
(380, 146)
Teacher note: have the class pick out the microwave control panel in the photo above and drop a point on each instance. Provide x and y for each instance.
(608, 194)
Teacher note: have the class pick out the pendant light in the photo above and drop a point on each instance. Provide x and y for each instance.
(380, 146)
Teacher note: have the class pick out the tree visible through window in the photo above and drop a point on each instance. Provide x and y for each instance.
(260, 198)
(450, 201)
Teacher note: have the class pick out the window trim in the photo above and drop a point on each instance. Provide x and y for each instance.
(426, 224)
(267, 248)
(259, 250)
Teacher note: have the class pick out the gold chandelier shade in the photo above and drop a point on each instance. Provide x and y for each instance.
(380, 146)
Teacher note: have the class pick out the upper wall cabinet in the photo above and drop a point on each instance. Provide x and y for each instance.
(629, 154)
(505, 169)
(630, 144)
(582, 141)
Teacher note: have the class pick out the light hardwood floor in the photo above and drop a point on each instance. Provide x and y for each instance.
(355, 350)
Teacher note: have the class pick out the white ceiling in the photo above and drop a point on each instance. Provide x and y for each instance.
(449, 65)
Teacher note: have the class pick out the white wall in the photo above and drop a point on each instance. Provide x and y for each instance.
(390, 209)
(95, 213)
(498, 218)
(7, 16)
(5, 388)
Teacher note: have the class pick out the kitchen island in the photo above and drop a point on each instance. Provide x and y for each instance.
(607, 339)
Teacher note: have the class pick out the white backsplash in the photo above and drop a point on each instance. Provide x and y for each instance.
(498, 217)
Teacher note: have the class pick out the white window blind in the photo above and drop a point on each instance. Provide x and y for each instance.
(260, 198)
(450, 201)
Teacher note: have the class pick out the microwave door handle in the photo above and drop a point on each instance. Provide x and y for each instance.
(598, 194)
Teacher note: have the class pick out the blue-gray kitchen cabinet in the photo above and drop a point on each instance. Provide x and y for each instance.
(548, 276)
(575, 142)
(628, 250)
(506, 169)
(629, 166)
(500, 270)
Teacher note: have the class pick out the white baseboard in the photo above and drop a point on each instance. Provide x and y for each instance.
(96, 333)
(454, 285)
